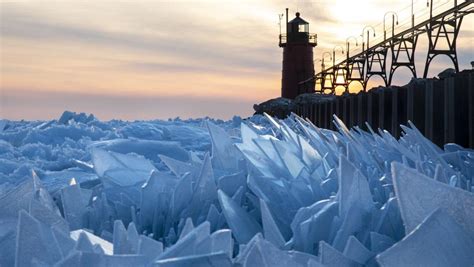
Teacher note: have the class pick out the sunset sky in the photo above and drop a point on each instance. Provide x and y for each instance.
(160, 59)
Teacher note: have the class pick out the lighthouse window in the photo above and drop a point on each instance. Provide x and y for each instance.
(303, 28)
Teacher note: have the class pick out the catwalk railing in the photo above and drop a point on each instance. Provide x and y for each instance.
(373, 61)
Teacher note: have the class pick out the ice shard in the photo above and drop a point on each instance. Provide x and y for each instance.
(94, 259)
(256, 192)
(231, 183)
(204, 191)
(3, 123)
(150, 149)
(149, 248)
(19, 197)
(188, 227)
(353, 188)
(389, 221)
(316, 228)
(85, 245)
(438, 241)
(221, 240)
(418, 196)
(243, 226)
(179, 168)
(189, 244)
(356, 251)
(260, 161)
(213, 259)
(121, 242)
(35, 242)
(293, 164)
(259, 252)
(329, 256)
(356, 221)
(47, 216)
(123, 170)
(379, 243)
(182, 195)
(224, 154)
(270, 228)
(158, 183)
(65, 242)
(74, 206)
(106, 246)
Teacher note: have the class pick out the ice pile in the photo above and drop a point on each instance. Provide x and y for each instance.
(259, 192)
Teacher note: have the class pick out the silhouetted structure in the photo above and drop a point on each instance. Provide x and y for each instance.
(298, 64)
(442, 109)
(377, 61)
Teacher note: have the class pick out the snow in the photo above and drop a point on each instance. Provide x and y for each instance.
(261, 191)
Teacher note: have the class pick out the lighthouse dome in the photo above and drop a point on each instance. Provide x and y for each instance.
(298, 25)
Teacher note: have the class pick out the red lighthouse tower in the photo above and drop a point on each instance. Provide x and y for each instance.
(298, 63)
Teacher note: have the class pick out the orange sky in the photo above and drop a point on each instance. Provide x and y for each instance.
(160, 59)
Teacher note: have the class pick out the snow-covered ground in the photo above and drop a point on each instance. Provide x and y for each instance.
(258, 192)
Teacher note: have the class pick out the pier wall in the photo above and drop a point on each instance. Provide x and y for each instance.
(442, 109)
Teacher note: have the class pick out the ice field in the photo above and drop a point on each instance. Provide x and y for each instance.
(78, 191)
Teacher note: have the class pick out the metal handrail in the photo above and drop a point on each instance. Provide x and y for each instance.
(418, 29)
(312, 39)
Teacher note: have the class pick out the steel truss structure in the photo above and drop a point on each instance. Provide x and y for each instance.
(442, 28)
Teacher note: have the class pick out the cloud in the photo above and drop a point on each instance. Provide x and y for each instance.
(211, 50)
(204, 50)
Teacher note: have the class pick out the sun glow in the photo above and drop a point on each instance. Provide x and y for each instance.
(349, 11)
(204, 50)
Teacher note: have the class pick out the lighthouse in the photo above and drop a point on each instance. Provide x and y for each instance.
(298, 64)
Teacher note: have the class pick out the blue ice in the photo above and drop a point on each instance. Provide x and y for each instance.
(261, 191)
